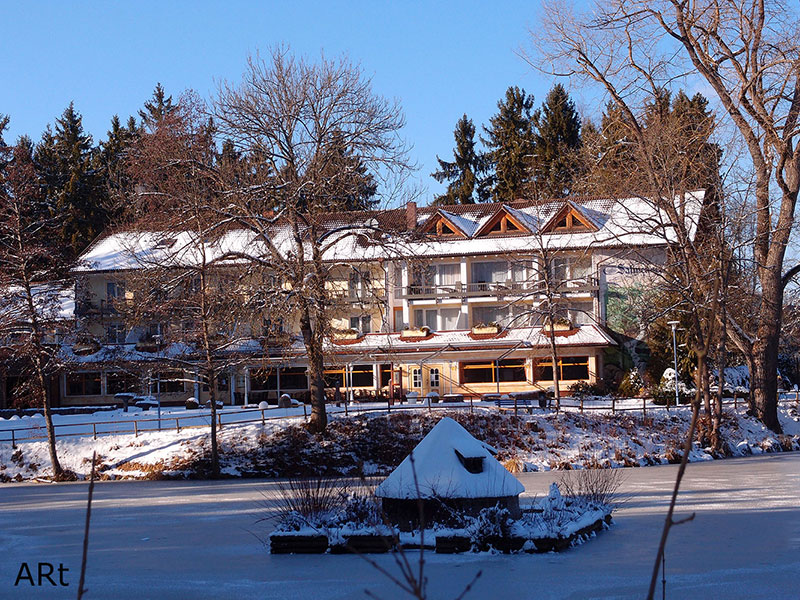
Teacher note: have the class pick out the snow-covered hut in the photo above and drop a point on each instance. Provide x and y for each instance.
(448, 470)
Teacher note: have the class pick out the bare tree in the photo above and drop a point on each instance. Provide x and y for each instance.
(747, 53)
(183, 294)
(292, 119)
(29, 266)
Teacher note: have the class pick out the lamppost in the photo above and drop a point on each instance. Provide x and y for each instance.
(674, 325)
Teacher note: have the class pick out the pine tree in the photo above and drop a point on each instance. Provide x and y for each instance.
(158, 107)
(466, 186)
(72, 186)
(110, 162)
(510, 139)
(558, 141)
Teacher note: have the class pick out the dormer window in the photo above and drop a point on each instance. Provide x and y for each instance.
(503, 222)
(568, 219)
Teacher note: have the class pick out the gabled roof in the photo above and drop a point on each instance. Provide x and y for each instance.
(576, 212)
(522, 221)
(435, 470)
(457, 223)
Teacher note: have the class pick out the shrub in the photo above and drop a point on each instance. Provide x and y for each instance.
(593, 486)
(584, 388)
(490, 522)
(631, 385)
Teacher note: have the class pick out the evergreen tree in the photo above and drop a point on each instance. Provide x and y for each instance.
(349, 186)
(466, 186)
(110, 162)
(158, 107)
(72, 186)
(511, 143)
(558, 141)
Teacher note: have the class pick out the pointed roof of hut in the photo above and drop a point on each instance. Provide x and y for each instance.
(450, 463)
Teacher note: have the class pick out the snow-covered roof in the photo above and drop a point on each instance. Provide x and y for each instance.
(631, 221)
(529, 337)
(54, 302)
(435, 470)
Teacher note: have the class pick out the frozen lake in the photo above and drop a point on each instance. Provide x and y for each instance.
(198, 540)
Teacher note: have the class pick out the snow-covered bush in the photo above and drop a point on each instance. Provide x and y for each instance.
(665, 392)
(631, 385)
(493, 521)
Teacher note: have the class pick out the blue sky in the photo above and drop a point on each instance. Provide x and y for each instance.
(439, 59)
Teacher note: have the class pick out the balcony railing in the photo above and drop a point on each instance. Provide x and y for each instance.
(497, 288)
(361, 296)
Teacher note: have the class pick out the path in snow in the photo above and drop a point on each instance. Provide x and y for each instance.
(157, 539)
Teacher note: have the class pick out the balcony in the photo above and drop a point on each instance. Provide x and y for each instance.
(103, 308)
(358, 296)
(582, 286)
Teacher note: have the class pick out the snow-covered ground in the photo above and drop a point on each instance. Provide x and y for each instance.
(541, 441)
(199, 539)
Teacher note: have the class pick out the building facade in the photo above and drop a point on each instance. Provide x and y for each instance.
(455, 300)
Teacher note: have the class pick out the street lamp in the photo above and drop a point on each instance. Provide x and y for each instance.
(674, 325)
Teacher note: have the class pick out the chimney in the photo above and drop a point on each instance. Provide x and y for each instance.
(411, 216)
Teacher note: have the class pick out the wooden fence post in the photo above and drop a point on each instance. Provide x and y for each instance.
(305, 412)
(613, 405)
(262, 418)
(581, 407)
(13, 440)
(135, 428)
(644, 407)
(735, 401)
(94, 430)
(219, 420)
(178, 425)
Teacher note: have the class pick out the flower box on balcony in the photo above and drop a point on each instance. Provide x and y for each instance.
(417, 332)
(346, 334)
(484, 329)
(558, 325)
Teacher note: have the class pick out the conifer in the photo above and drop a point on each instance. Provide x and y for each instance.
(465, 173)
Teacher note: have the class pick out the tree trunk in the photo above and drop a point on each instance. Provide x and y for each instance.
(316, 371)
(212, 383)
(58, 470)
(764, 381)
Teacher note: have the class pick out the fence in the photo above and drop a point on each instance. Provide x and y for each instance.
(135, 426)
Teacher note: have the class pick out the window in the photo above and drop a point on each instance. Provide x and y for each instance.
(222, 382)
(118, 382)
(154, 330)
(449, 274)
(571, 368)
(514, 315)
(294, 378)
(488, 372)
(361, 376)
(581, 313)
(362, 324)
(426, 318)
(451, 318)
(358, 284)
(386, 375)
(416, 378)
(170, 382)
(566, 268)
(114, 290)
(115, 333)
(434, 378)
(489, 272)
(83, 384)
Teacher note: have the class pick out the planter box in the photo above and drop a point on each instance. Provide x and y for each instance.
(297, 544)
(486, 330)
(365, 544)
(415, 333)
(452, 544)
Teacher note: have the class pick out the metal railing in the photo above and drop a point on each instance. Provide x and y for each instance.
(497, 288)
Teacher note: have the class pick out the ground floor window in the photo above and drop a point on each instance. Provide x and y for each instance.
(434, 378)
(292, 378)
(171, 382)
(83, 384)
(361, 376)
(569, 368)
(386, 375)
(416, 378)
(118, 382)
(487, 372)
